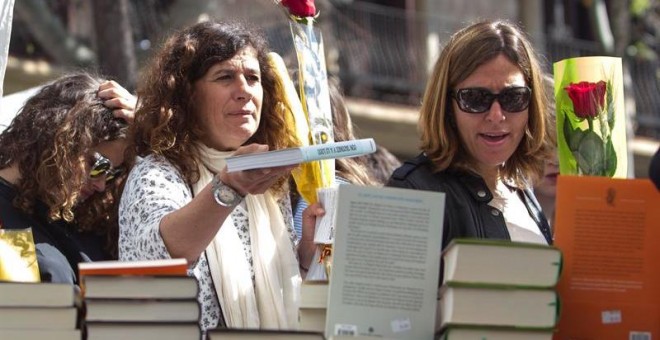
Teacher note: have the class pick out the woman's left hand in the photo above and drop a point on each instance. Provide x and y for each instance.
(118, 99)
(306, 247)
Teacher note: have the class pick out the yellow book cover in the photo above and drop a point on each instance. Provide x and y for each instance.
(18, 256)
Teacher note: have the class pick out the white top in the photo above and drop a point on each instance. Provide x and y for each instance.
(154, 188)
(521, 225)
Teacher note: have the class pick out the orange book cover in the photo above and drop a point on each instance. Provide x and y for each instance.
(176, 267)
(609, 233)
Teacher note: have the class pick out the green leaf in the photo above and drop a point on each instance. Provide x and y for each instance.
(610, 159)
(590, 155)
(572, 135)
(610, 105)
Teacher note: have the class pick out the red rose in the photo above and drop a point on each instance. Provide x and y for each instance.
(300, 8)
(588, 98)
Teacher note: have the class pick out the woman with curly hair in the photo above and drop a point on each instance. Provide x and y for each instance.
(60, 161)
(209, 94)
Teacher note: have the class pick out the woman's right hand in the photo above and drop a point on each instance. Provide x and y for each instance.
(122, 102)
(255, 181)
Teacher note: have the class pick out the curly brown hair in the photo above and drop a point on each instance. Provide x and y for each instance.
(466, 50)
(165, 122)
(50, 141)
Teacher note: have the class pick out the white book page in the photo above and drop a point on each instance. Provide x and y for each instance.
(386, 261)
(325, 225)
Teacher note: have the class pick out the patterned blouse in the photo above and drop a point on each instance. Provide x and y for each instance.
(155, 188)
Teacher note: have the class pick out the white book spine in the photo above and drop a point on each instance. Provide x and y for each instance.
(338, 149)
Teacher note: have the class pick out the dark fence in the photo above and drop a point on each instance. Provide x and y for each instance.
(381, 56)
(383, 53)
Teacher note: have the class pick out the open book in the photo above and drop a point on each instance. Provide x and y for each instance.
(301, 154)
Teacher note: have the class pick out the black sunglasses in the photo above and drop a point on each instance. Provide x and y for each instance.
(103, 166)
(479, 100)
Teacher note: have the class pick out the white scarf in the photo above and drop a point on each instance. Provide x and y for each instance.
(273, 301)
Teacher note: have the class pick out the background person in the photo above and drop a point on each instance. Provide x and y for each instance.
(354, 170)
(484, 136)
(545, 188)
(382, 164)
(60, 161)
(208, 94)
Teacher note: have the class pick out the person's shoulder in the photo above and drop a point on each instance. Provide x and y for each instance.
(411, 167)
(154, 164)
(154, 170)
(417, 173)
(10, 216)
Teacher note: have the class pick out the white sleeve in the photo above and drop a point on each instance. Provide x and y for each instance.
(154, 188)
(6, 15)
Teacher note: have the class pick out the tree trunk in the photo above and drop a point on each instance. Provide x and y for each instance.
(620, 26)
(51, 34)
(114, 42)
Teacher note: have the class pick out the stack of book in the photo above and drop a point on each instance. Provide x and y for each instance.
(498, 290)
(39, 311)
(250, 334)
(313, 305)
(140, 300)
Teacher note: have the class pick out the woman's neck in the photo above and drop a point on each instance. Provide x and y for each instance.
(11, 174)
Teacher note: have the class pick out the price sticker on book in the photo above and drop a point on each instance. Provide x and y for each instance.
(401, 325)
(611, 316)
(345, 329)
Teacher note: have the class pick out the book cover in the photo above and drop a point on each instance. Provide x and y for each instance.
(313, 305)
(141, 310)
(41, 334)
(312, 319)
(386, 263)
(143, 330)
(591, 125)
(38, 318)
(607, 230)
(140, 287)
(148, 267)
(301, 154)
(501, 262)
(247, 334)
(28, 294)
(474, 332)
(314, 294)
(18, 256)
(497, 305)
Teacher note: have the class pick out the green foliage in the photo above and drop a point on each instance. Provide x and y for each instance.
(638, 7)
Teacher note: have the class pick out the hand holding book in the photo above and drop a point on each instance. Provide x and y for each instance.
(257, 180)
(293, 156)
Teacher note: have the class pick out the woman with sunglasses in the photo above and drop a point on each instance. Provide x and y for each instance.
(484, 136)
(59, 162)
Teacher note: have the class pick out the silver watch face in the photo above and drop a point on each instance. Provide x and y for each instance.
(225, 195)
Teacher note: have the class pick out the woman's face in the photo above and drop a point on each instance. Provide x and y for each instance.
(491, 137)
(548, 185)
(104, 163)
(228, 101)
